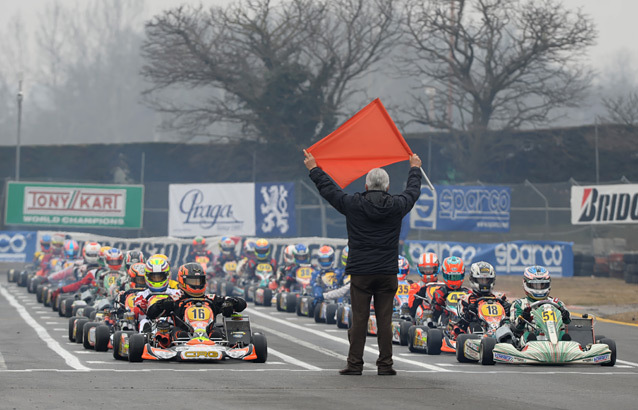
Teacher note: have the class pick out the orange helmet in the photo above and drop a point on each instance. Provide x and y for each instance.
(428, 267)
(453, 272)
(199, 243)
(137, 275)
(114, 259)
(192, 279)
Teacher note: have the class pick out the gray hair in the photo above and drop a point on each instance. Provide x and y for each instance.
(378, 180)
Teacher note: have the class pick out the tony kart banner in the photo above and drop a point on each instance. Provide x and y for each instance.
(78, 205)
(211, 209)
(275, 209)
(462, 208)
(604, 204)
(508, 258)
(17, 246)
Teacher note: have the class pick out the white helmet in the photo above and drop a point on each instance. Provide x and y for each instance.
(91, 253)
(482, 277)
(289, 255)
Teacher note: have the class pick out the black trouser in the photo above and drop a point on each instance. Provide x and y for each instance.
(362, 289)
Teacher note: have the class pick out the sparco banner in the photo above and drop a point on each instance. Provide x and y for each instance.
(94, 206)
(463, 208)
(17, 246)
(604, 204)
(508, 258)
(211, 209)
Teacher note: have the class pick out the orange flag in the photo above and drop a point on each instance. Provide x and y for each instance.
(368, 140)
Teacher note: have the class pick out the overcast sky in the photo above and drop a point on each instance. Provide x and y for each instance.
(614, 19)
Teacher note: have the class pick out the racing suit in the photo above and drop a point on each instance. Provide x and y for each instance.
(325, 279)
(250, 266)
(440, 300)
(218, 264)
(178, 304)
(146, 298)
(520, 313)
(193, 254)
(468, 309)
(417, 293)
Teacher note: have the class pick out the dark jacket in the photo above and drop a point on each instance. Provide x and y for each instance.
(373, 220)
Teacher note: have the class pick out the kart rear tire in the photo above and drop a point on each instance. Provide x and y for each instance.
(85, 334)
(71, 326)
(22, 279)
(403, 332)
(87, 312)
(411, 331)
(38, 293)
(435, 341)
(261, 347)
(331, 313)
(341, 311)
(486, 351)
(317, 313)
(10, 275)
(136, 343)
(279, 302)
(117, 339)
(460, 345)
(612, 347)
(102, 338)
(68, 307)
(79, 329)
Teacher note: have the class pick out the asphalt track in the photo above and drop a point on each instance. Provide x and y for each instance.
(40, 368)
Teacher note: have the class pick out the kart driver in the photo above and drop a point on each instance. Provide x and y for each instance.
(428, 269)
(453, 272)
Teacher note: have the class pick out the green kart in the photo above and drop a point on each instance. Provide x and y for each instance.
(555, 342)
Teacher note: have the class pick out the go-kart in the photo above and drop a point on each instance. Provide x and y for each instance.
(555, 343)
(232, 340)
(287, 300)
(438, 337)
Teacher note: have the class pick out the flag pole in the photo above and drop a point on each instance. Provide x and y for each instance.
(427, 180)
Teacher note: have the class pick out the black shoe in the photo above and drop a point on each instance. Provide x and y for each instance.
(348, 371)
(387, 372)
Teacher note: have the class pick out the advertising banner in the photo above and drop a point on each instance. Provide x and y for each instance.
(211, 209)
(508, 258)
(463, 208)
(604, 204)
(77, 205)
(17, 246)
(275, 209)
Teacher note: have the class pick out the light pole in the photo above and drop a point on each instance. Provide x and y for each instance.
(430, 92)
(596, 151)
(20, 96)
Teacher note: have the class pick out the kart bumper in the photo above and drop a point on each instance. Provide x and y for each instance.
(545, 352)
(199, 353)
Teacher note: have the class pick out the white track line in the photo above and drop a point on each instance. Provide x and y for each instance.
(70, 360)
(629, 363)
(343, 341)
(3, 365)
(292, 360)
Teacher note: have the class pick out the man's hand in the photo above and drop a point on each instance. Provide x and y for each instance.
(309, 161)
(415, 161)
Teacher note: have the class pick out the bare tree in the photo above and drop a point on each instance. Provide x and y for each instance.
(280, 70)
(622, 109)
(13, 68)
(495, 64)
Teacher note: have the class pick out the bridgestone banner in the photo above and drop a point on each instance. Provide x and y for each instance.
(78, 205)
(604, 204)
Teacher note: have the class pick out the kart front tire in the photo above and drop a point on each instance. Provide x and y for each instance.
(612, 347)
(79, 329)
(435, 341)
(102, 338)
(136, 343)
(85, 334)
(317, 313)
(460, 347)
(267, 297)
(71, 328)
(291, 302)
(403, 332)
(411, 331)
(261, 347)
(331, 313)
(486, 351)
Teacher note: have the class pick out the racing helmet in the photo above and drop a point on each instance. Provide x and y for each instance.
(191, 278)
(226, 245)
(57, 244)
(248, 248)
(301, 254)
(262, 249)
(537, 282)
(132, 257)
(344, 256)
(325, 257)
(45, 243)
(289, 256)
(157, 272)
(404, 268)
(453, 272)
(428, 267)
(199, 244)
(102, 257)
(71, 249)
(482, 278)
(114, 259)
(136, 274)
(91, 253)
